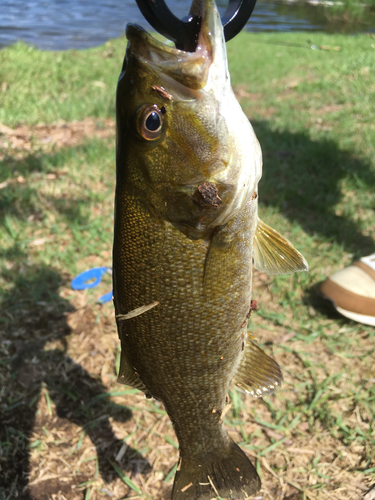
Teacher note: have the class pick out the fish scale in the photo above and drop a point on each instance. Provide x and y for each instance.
(186, 335)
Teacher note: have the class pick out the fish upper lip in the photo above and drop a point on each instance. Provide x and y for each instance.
(187, 68)
(135, 32)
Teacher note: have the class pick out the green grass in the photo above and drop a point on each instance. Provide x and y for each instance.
(61, 211)
(341, 15)
(45, 87)
(313, 111)
(350, 10)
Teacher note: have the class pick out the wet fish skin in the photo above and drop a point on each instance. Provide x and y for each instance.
(185, 225)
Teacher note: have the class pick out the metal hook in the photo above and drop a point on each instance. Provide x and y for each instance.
(184, 33)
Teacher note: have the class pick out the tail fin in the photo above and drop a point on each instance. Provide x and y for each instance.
(233, 476)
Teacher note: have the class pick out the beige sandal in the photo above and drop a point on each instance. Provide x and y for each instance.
(352, 290)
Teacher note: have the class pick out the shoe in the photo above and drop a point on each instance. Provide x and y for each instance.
(352, 290)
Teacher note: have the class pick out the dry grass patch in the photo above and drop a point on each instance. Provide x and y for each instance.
(81, 435)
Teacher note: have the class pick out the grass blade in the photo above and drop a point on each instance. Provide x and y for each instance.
(125, 478)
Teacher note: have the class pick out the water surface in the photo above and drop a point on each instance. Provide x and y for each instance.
(79, 24)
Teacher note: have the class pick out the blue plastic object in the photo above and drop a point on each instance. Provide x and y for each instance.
(84, 280)
(80, 282)
(106, 297)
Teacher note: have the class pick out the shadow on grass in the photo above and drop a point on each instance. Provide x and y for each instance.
(25, 163)
(33, 314)
(302, 177)
(20, 198)
(313, 297)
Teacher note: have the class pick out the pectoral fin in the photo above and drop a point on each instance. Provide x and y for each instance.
(217, 263)
(274, 254)
(128, 376)
(258, 374)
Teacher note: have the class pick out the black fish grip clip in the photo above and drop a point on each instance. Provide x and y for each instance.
(184, 32)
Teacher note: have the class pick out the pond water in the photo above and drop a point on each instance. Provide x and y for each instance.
(66, 24)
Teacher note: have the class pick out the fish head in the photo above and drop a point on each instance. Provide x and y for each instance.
(184, 146)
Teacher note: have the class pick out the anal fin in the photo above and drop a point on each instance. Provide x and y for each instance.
(258, 374)
(127, 376)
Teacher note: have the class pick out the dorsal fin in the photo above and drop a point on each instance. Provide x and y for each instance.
(274, 254)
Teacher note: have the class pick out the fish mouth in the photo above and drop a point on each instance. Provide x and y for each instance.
(190, 69)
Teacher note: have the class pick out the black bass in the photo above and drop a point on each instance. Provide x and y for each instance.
(186, 232)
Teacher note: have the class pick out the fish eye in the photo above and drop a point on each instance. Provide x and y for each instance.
(153, 122)
(150, 122)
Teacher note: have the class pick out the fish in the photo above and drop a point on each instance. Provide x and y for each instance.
(186, 231)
